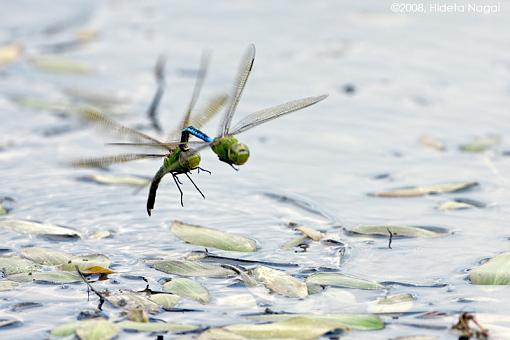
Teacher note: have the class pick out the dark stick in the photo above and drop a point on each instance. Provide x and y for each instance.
(90, 288)
(391, 238)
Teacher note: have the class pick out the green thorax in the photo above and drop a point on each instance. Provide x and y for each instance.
(221, 145)
(181, 161)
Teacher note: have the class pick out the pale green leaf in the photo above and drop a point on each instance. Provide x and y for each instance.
(59, 64)
(213, 238)
(190, 268)
(37, 228)
(280, 282)
(45, 256)
(398, 231)
(7, 285)
(156, 326)
(165, 300)
(397, 303)
(85, 262)
(496, 271)
(187, 289)
(13, 265)
(97, 329)
(426, 190)
(55, 277)
(342, 280)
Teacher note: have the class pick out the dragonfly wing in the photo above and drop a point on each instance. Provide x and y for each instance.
(159, 73)
(101, 162)
(274, 112)
(240, 82)
(172, 145)
(100, 120)
(199, 81)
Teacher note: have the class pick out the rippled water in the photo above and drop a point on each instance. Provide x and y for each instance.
(444, 75)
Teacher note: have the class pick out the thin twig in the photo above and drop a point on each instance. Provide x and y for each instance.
(90, 288)
(391, 238)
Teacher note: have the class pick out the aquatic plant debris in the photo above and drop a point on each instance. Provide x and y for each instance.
(460, 204)
(38, 228)
(397, 303)
(417, 191)
(341, 280)
(213, 238)
(190, 268)
(187, 288)
(463, 326)
(280, 282)
(59, 64)
(480, 144)
(496, 271)
(397, 231)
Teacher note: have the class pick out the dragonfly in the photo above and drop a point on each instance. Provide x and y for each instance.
(225, 145)
(179, 158)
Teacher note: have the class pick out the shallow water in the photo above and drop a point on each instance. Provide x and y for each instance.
(447, 75)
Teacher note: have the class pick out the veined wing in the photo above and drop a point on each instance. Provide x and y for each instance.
(104, 122)
(271, 113)
(159, 73)
(109, 160)
(199, 81)
(158, 145)
(204, 115)
(242, 78)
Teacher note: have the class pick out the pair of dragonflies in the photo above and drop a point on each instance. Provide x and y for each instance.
(182, 156)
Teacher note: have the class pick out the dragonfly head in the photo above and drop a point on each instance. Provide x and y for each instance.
(189, 159)
(238, 153)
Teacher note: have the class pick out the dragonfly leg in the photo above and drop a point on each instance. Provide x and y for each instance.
(196, 187)
(204, 170)
(233, 167)
(176, 180)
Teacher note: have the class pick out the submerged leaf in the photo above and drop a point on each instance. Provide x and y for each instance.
(165, 300)
(187, 288)
(59, 64)
(116, 180)
(9, 53)
(45, 256)
(209, 237)
(480, 144)
(93, 264)
(13, 265)
(342, 280)
(496, 271)
(7, 285)
(280, 282)
(398, 231)
(362, 322)
(426, 190)
(156, 326)
(55, 277)
(398, 303)
(190, 268)
(130, 299)
(37, 228)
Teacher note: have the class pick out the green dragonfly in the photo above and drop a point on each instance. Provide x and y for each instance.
(179, 158)
(225, 145)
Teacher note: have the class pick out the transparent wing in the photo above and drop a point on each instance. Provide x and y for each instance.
(159, 73)
(154, 145)
(271, 113)
(101, 162)
(100, 120)
(204, 115)
(241, 79)
(199, 81)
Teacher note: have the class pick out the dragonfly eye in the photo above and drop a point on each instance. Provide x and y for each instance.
(238, 153)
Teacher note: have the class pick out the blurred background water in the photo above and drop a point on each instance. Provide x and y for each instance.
(446, 75)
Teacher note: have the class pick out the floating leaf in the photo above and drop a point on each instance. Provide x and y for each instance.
(310, 233)
(93, 264)
(427, 190)
(481, 144)
(280, 282)
(100, 234)
(130, 299)
(209, 237)
(66, 329)
(137, 181)
(361, 322)
(9, 54)
(13, 265)
(165, 300)
(37, 228)
(289, 245)
(59, 64)
(55, 277)
(219, 334)
(432, 142)
(156, 326)
(190, 268)
(460, 203)
(45, 256)
(97, 329)
(398, 303)
(496, 271)
(398, 231)
(7, 285)
(187, 288)
(342, 280)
